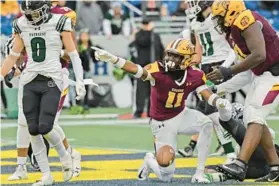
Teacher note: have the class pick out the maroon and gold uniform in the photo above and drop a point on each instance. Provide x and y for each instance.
(243, 21)
(168, 95)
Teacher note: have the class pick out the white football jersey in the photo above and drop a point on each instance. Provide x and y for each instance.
(43, 46)
(215, 46)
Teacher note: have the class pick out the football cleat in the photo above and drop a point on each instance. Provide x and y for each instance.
(230, 158)
(144, 170)
(46, 180)
(76, 162)
(186, 152)
(200, 178)
(235, 170)
(20, 173)
(273, 175)
(67, 167)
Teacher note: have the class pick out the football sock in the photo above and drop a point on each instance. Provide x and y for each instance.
(193, 144)
(228, 148)
(39, 150)
(21, 160)
(54, 138)
(204, 141)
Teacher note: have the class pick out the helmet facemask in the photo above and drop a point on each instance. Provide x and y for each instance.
(175, 62)
(37, 16)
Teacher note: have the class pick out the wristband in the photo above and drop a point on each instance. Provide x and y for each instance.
(139, 72)
(211, 99)
(120, 62)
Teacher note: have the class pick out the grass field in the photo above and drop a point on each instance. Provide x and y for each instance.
(111, 152)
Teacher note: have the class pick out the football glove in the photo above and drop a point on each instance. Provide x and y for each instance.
(222, 103)
(80, 89)
(105, 56)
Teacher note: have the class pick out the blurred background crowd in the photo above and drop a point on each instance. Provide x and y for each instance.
(137, 30)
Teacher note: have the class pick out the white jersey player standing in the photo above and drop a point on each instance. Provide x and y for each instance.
(40, 32)
(23, 136)
(215, 52)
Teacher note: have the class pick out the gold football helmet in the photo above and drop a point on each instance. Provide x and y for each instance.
(178, 55)
(225, 12)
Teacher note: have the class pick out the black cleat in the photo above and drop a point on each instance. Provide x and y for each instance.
(235, 170)
(273, 175)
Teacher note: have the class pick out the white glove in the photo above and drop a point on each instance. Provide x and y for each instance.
(1, 78)
(223, 104)
(105, 56)
(224, 108)
(80, 89)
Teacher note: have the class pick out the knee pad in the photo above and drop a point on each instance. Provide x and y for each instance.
(45, 128)
(33, 129)
(23, 137)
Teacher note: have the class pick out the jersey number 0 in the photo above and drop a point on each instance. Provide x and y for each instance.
(38, 46)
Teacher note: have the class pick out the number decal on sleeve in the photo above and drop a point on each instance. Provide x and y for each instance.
(207, 44)
(170, 101)
(38, 46)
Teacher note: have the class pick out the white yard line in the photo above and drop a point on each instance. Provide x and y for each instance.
(87, 122)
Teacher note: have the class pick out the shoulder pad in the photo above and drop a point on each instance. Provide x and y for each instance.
(73, 16)
(152, 68)
(244, 20)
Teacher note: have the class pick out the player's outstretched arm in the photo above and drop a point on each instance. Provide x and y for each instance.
(214, 99)
(127, 66)
(74, 56)
(12, 58)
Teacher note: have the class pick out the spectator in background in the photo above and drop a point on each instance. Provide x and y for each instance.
(90, 16)
(105, 6)
(268, 5)
(181, 7)
(61, 3)
(71, 4)
(116, 22)
(164, 11)
(9, 11)
(149, 49)
(87, 56)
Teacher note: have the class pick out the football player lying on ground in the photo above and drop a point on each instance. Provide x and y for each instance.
(172, 79)
(232, 121)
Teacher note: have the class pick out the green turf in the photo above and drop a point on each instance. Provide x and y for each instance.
(123, 137)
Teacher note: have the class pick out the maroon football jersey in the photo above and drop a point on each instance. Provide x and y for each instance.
(167, 95)
(243, 21)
